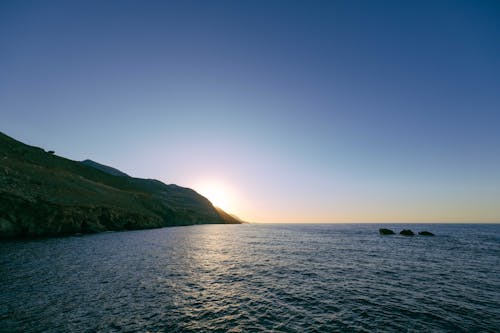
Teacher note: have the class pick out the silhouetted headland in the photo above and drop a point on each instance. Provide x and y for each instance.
(42, 194)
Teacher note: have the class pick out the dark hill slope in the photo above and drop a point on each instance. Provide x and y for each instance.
(42, 194)
(105, 168)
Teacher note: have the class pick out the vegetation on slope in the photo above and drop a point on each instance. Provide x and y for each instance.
(42, 194)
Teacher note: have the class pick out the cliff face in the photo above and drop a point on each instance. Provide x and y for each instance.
(42, 194)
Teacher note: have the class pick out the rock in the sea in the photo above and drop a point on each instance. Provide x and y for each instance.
(384, 231)
(406, 232)
(425, 233)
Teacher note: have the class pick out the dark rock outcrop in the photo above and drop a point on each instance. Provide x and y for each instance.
(406, 232)
(42, 194)
(425, 233)
(384, 231)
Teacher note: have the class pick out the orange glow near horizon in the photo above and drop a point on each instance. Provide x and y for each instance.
(271, 204)
(219, 195)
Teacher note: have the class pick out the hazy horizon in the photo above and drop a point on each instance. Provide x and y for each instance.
(325, 111)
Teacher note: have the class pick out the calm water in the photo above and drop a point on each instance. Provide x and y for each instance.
(252, 278)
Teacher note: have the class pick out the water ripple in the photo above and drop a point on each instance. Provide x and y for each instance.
(254, 278)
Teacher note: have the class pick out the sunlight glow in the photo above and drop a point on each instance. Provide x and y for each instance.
(218, 194)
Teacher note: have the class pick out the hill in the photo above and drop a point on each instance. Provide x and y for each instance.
(42, 194)
(105, 168)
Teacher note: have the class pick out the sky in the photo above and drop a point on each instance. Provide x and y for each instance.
(277, 111)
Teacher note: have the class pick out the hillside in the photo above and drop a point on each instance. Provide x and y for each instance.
(42, 194)
(105, 168)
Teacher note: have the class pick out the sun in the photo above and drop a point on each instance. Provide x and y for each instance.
(218, 194)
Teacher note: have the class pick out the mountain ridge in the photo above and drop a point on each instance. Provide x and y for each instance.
(105, 168)
(42, 194)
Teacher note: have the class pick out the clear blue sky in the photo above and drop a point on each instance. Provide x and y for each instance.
(286, 110)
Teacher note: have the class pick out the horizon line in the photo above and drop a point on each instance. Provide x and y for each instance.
(444, 221)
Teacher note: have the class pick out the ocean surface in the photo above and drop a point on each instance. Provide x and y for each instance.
(255, 278)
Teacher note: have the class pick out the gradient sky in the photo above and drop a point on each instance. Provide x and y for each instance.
(295, 111)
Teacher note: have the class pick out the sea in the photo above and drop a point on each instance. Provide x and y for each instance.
(255, 278)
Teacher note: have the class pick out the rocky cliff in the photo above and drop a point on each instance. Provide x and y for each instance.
(42, 194)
